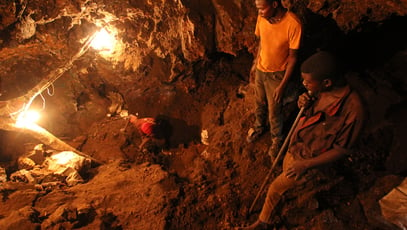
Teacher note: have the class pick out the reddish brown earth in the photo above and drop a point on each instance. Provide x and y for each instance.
(195, 77)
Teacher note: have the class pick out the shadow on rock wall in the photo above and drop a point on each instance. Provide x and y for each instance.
(178, 131)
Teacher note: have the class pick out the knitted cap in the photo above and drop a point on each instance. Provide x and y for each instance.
(147, 128)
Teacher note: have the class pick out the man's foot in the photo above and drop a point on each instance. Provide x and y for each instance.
(275, 148)
(253, 134)
(258, 225)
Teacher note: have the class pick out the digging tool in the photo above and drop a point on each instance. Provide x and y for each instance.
(144, 140)
(125, 126)
(287, 139)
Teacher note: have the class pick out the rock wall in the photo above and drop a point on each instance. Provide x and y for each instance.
(178, 32)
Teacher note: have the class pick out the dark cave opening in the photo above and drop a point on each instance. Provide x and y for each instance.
(375, 43)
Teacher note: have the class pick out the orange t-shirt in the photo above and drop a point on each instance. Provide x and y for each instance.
(275, 41)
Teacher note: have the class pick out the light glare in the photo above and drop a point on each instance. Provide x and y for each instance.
(26, 118)
(64, 157)
(103, 41)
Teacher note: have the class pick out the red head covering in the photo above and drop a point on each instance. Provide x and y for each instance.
(147, 128)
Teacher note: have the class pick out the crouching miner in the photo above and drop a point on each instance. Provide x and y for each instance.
(151, 129)
(330, 126)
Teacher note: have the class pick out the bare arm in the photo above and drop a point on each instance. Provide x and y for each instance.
(299, 167)
(292, 60)
(254, 66)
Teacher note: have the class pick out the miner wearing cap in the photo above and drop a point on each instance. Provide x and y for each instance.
(148, 128)
(327, 131)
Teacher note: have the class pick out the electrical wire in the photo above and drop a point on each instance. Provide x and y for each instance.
(53, 90)
(43, 101)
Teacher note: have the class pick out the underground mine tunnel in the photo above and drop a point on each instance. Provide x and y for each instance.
(88, 70)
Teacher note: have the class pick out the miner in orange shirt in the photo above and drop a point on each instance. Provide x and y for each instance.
(279, 32)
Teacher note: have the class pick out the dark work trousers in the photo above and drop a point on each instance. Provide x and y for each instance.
(265, 85)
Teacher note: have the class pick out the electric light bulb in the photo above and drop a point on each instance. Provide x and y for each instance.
(26, 118)
(103, 41)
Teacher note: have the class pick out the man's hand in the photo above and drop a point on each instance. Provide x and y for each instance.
(278, 93)
(304, 100)
(252, 74)
(296, 169)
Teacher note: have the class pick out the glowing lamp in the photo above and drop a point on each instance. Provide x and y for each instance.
(103, 41)
(26, 118)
